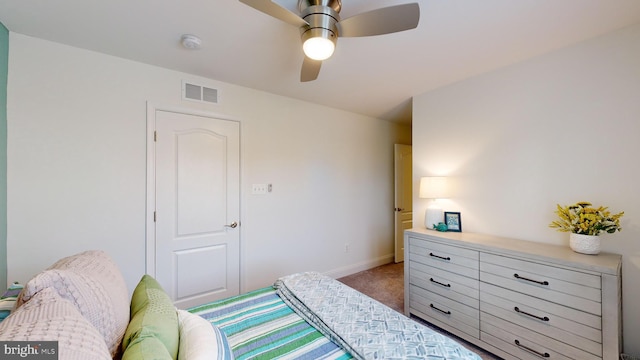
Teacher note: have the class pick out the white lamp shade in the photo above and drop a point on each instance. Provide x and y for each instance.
(434, 187)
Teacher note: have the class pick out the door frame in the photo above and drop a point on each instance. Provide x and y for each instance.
(150, 228)
(404, 187)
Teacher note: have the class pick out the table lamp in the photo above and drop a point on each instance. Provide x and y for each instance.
(434, 188)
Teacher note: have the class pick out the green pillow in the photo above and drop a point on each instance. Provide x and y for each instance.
(154, 321)
(146, 346)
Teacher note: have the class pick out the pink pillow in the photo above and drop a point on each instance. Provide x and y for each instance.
(48, 317)
(93, 283)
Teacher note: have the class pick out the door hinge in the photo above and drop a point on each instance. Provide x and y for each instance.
(154, 216)
(155, 136)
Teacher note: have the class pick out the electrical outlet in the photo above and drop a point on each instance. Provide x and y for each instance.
(346, 247)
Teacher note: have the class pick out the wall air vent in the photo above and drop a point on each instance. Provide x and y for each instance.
(199, 93)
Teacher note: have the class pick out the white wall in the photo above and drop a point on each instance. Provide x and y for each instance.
(560, 128)
(77, 160)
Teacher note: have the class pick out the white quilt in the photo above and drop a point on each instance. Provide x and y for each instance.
(365, 327)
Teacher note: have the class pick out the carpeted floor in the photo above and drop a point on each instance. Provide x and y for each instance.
(386, 284)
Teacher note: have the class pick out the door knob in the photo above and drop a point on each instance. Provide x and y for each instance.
(233, 225)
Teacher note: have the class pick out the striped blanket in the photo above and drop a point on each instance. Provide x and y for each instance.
(259, 325)
(274, 323)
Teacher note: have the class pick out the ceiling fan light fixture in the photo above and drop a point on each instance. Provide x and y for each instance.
(318, 48)
(320, 34)
(318, 43)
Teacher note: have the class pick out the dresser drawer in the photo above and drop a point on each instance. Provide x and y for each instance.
(460, 316)
(561, 323)
(451, 258)
(565, 318)
(457, 287)
(574, 289)
(526, 344)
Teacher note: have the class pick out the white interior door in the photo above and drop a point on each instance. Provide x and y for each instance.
(197, 207)
(403, 217)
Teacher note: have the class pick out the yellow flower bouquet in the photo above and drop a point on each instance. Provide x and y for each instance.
(583, 218)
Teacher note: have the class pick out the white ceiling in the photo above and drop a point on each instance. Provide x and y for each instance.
(375, 76)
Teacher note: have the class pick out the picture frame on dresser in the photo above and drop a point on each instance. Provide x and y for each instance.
(453, 221)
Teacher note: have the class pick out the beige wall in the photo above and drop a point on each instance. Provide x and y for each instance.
(77, 165)
(560, 128)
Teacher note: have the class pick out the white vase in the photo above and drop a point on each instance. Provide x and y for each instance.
(584, 244)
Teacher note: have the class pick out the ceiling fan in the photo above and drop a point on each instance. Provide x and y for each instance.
(320, 26)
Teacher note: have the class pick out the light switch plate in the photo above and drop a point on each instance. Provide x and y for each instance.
(259, 189)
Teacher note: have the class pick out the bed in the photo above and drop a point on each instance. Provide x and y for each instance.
(82, 303)
(312, 316)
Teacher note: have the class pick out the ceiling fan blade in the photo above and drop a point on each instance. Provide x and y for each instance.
(270, 8)
(310, 69)
(381, 21)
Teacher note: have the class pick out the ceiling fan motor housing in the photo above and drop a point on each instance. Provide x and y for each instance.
(334, 4)
(322, 19)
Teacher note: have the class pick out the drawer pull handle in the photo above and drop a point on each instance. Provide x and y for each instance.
(442, 311)
(440, 257)
(528, 314)
(543, 355)
(439, 283)
(535, 281)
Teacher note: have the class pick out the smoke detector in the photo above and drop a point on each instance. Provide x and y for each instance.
(191, 42)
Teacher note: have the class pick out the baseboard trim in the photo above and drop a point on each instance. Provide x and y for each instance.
(361, 266)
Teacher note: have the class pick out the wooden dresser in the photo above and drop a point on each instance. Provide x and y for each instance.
(516, 299)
